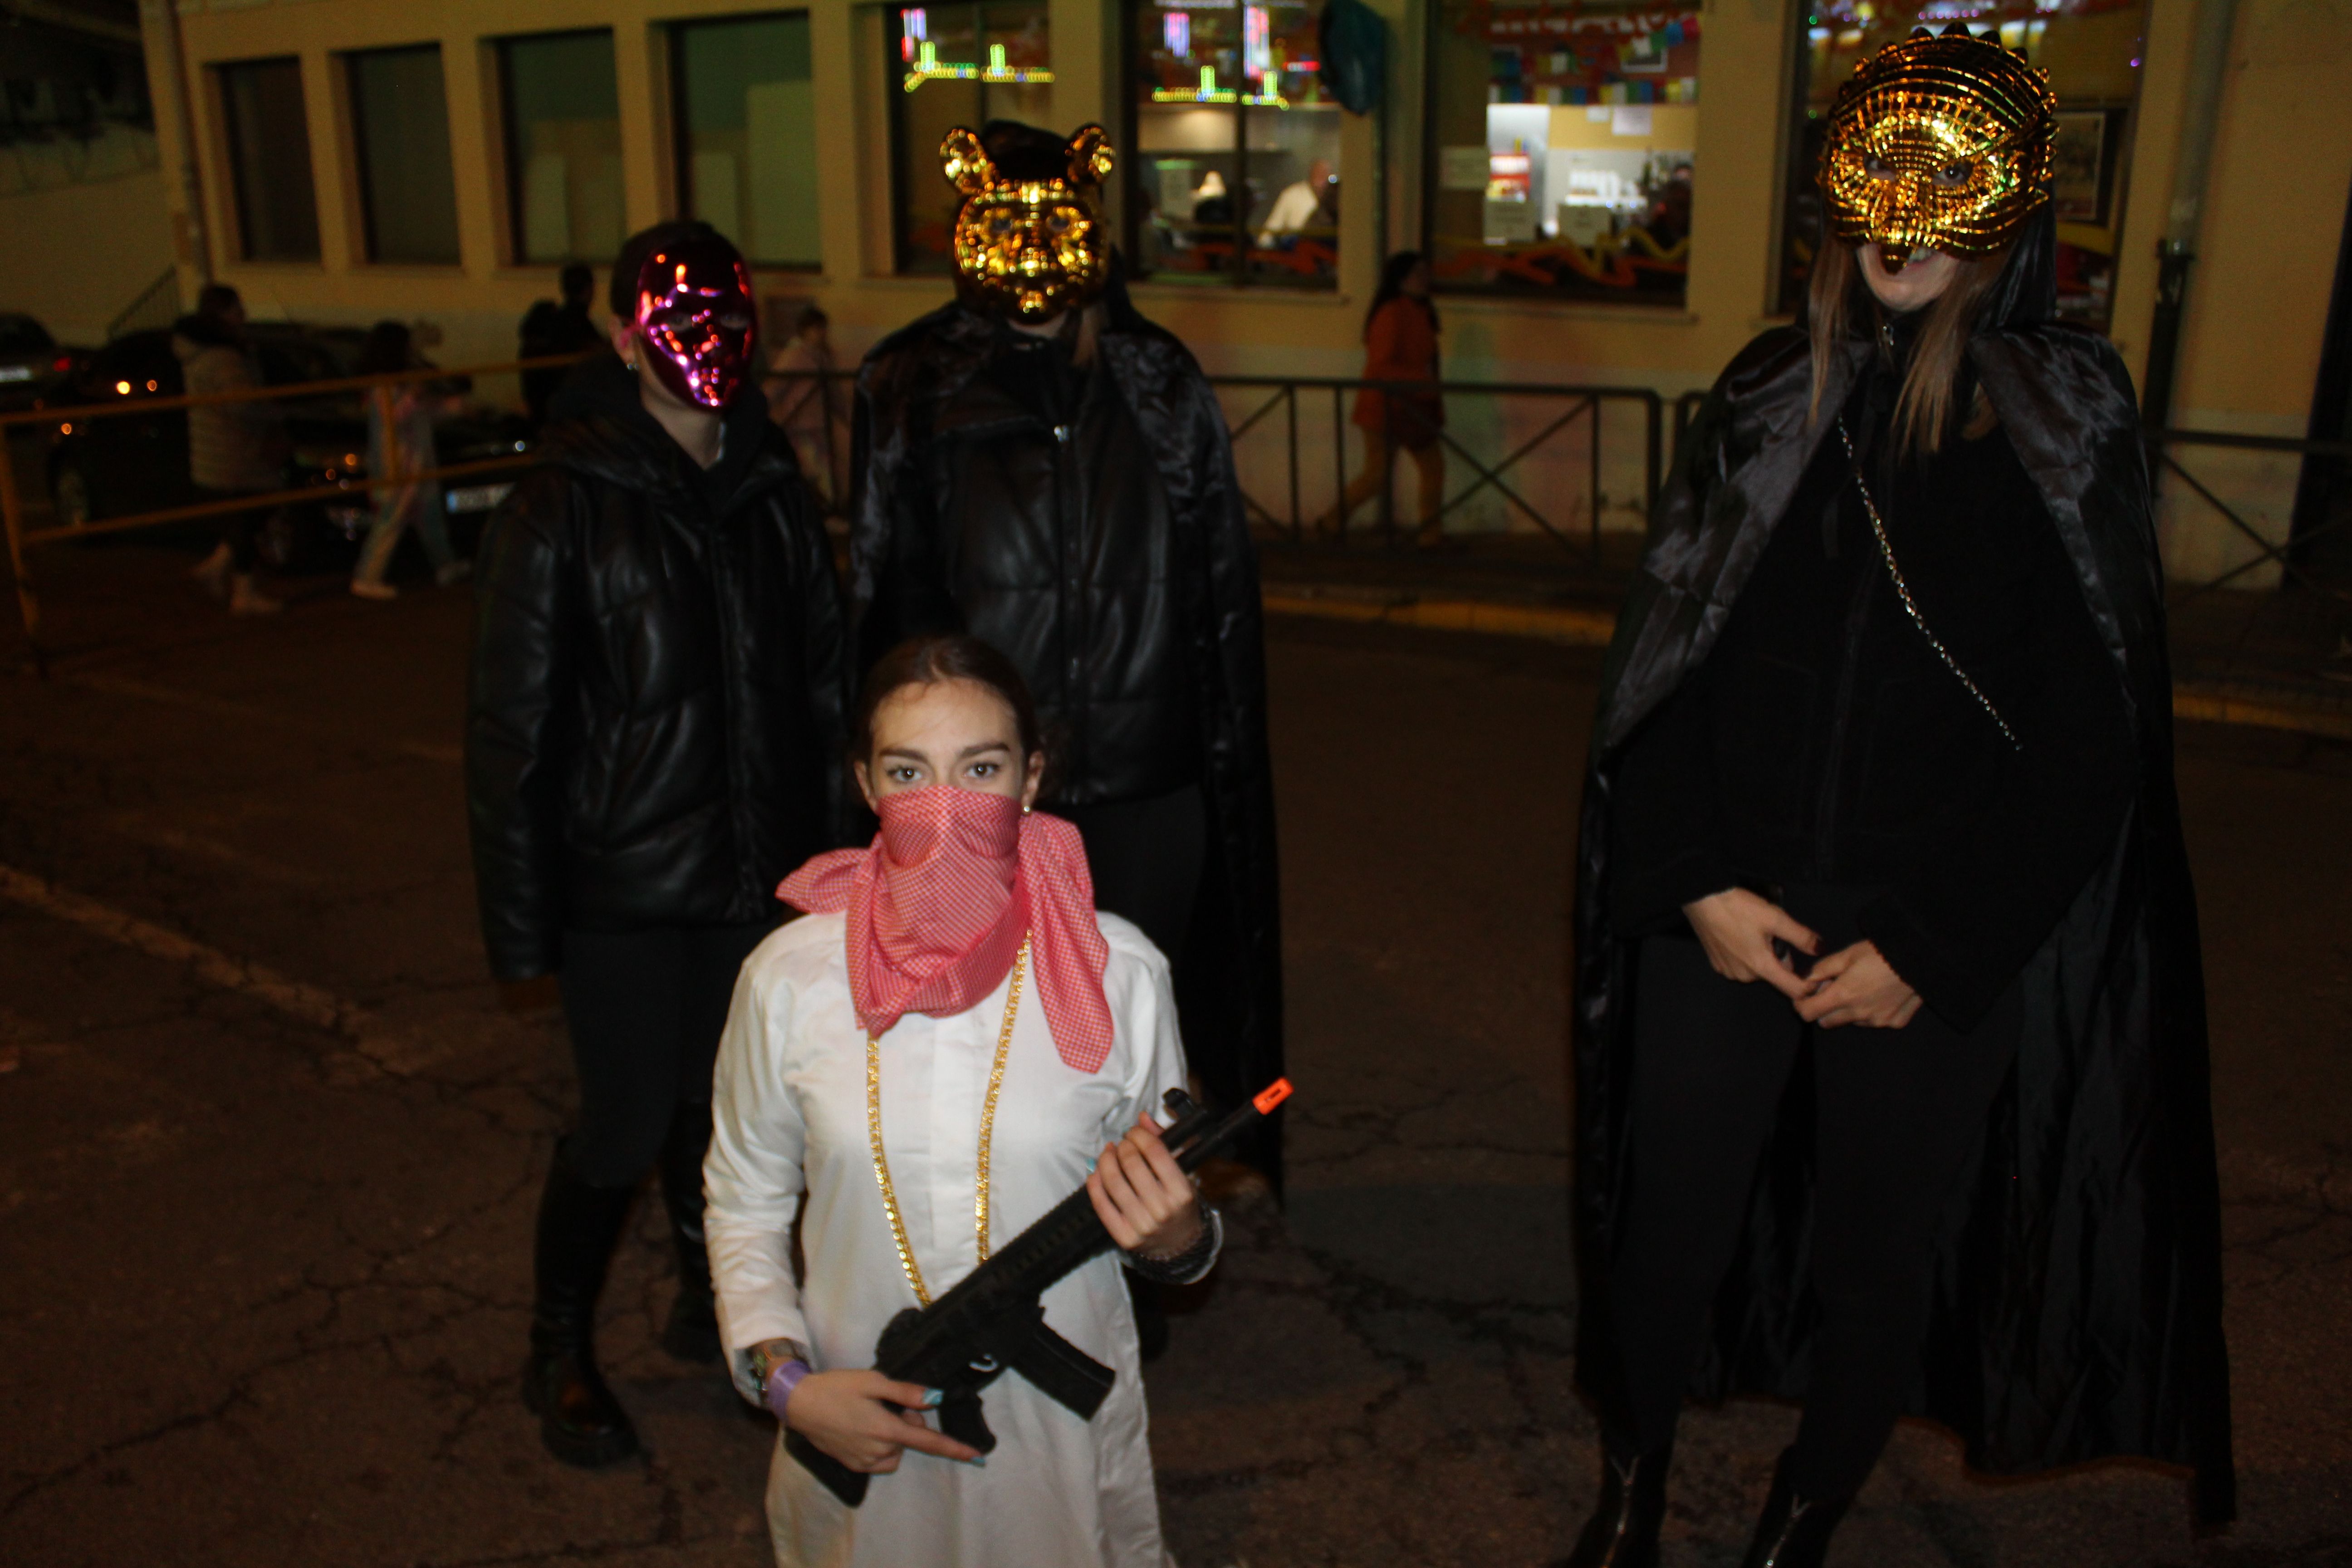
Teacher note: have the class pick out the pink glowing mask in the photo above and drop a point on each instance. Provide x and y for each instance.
(696, 318)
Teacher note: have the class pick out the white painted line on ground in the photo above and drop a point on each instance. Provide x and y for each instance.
(139, 830)
(371, 1043)
(254, 714)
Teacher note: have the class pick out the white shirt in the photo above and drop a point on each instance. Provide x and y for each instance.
(789, 1117)
(1293, 210)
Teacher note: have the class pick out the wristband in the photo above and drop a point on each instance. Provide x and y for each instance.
(781, 1381)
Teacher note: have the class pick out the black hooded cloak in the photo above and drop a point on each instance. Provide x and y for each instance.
(1229, 985)
(2078, 1296)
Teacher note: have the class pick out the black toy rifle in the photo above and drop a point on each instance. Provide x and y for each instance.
(992, 1319)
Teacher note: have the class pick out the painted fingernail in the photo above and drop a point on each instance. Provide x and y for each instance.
(978, 1461)
(933, 1398)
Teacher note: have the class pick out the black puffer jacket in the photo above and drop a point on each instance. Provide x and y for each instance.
(653, 731)
(1034, 520)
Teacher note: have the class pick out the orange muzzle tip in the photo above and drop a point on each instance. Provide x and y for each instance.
(1272, 1095)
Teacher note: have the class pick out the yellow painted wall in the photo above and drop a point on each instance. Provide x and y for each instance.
(2258, 301)
(77, 254)
(2266, 252)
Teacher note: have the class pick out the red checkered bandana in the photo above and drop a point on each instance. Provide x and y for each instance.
(938, 905)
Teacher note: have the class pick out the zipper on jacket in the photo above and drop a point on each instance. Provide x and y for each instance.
(729, 661)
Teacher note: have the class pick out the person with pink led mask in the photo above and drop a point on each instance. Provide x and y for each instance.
(653, 736)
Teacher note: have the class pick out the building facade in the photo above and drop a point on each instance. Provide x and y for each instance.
(1611, 194)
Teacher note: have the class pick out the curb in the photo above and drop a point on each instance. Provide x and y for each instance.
(1575, 627)
(1545, 623)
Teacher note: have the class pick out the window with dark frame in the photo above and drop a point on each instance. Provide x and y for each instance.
(2092, 50)
(563, 114)
(268, 139)
(399, 136)
(962, 64)
(746, 134)
(1234, 171)
(1563, 149)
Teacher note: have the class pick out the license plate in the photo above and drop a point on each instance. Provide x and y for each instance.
(16, 372)
(477, 498)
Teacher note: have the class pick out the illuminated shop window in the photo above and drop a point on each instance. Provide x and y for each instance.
(270, 160)
(747, 133)
(1235, 174)
(399, 139)
(950, 66)
(1563, 151)
(2092, 50)
(564, 147)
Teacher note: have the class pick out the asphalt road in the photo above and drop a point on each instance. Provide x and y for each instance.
(269, 1144)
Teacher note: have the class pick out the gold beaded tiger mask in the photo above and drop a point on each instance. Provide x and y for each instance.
(1029, 240)
(1939, 142)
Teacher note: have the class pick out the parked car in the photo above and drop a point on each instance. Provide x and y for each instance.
(32, 365)
(127, 463)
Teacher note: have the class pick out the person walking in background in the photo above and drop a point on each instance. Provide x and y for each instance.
(234, 449)
(812, 410)
(653, 741)
(1400, 344)
(550, 328)
(399, 443)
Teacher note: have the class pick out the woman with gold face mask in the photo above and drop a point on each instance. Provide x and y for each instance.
(1892, 1082)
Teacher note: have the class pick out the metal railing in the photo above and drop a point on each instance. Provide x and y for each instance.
(22, 538)
(1584, 404)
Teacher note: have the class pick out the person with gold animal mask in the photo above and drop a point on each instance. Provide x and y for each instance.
(1040, 466)
(1892, 1080)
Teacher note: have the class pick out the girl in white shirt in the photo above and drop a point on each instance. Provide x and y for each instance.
(949, 1043)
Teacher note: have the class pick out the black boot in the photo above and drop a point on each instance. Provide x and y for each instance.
(692, 1331)
(579, 1419)
(1624, 1530)
(1795, 1530)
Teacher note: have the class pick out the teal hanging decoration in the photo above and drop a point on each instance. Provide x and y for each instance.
(1355, 63)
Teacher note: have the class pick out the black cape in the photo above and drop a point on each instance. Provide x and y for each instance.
(1229, 986)
(2078, 1298)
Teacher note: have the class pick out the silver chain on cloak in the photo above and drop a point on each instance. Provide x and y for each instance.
(1903, 592)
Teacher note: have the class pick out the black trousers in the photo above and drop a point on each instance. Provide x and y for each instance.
(644, 1009)
(1146, 857)
(239, 530)
(1898, 1112)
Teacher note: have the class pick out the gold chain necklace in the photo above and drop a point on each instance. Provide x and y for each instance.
(987, 1132)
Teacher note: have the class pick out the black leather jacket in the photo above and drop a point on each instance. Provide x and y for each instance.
(654, 730)
(1034, 521)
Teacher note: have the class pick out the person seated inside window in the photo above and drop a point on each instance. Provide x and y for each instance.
(1303, 204)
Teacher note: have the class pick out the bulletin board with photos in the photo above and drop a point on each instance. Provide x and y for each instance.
(1563, 149)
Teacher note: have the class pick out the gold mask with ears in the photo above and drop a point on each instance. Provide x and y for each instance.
(1940, 143)
(1030, 241)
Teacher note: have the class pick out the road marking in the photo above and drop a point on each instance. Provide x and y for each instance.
(1547, 622)
(372, 1045)
(252, 712)
(137, 828)
(322, 1009)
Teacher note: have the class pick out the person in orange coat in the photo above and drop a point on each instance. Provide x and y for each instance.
(1400, 344)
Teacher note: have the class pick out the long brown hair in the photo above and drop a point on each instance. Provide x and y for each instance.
(1923, 410)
